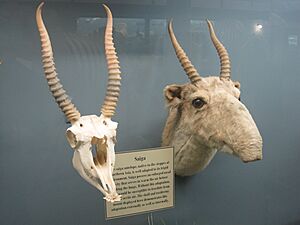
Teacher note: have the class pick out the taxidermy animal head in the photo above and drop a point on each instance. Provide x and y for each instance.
(206, 115)
(89, 131)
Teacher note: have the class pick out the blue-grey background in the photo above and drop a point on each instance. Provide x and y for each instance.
(37, 182)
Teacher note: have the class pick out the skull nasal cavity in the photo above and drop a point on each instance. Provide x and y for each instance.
(99, 150)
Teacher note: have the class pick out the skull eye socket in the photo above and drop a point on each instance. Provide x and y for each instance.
(198, 103)
(71, 138)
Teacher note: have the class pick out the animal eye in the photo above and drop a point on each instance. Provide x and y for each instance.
(81, 125)
(198, 103)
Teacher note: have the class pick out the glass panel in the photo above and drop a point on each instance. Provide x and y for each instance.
(37, 182)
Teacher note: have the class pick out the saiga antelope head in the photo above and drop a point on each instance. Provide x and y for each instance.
(91, 130)
(206, 115)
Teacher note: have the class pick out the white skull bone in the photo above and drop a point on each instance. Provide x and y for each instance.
(100, 132)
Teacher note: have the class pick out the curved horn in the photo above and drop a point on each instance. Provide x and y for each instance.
(54, 84)
(222, 52)
(114, 74)
(182, 57)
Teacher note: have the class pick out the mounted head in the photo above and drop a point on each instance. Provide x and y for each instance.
(91, 130)
(206, 115)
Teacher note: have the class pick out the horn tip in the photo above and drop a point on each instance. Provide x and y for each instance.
(208, 22)
(106, 9)
(39, 14)
(170, 26)
(41, 5)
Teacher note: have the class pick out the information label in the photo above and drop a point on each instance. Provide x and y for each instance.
(145, 179)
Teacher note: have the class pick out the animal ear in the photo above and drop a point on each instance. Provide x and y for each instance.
(237, 84)
(173, 93)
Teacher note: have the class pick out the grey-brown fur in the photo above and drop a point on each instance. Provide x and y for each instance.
(222, 121)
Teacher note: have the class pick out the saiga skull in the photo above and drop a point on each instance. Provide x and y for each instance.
(206, 115)
(90, 130)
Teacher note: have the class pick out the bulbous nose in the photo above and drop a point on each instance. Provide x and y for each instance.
(253, 151)
(241, 133)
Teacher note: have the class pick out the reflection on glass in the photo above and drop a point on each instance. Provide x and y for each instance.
(293, 40)
(129, 31)
(258, 28)
(158, 31)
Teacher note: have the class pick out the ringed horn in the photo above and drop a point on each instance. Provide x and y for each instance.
(114, 73)
(182, 57)
(53, 81)
(222, 52)
(186, 63)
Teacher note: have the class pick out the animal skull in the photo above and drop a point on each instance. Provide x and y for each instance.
(100, 132)
(88, 132)
(206, 115)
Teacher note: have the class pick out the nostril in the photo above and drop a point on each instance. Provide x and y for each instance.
(104, 122)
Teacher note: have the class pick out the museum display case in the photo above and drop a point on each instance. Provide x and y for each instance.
(198, 77)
